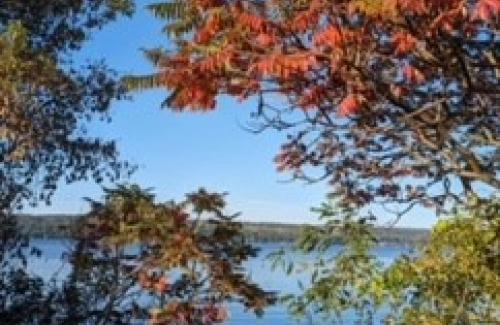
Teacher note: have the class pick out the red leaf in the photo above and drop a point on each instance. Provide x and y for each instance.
(284, 66)
(350, 105)
(208, 31)
(252, 22)
(415, 6)
(307, 19)
(265, 40)
(486, 10)
(331, 36)
(404, 43)
(413, 75)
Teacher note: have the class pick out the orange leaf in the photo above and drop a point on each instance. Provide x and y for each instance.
(350, 105)
(415, 6)
(486, 10)
(413, 75)
(304, 20)
(252, 22)
(284, 66)
(332, 36)
(264, 39)
(404, 43)
(209, 29)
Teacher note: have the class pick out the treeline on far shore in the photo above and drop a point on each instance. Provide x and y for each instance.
(63, 226)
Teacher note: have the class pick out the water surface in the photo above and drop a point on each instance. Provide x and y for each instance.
(51, 264)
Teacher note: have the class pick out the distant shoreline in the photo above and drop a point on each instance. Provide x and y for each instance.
(55, 226)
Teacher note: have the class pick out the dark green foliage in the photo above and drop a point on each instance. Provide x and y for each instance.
(45, 103)
(45, 100)
(56, 26)
(24, 297)
(168, 10)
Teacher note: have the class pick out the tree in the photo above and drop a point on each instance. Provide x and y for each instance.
(137, 257)
(453, 279)
(58, 26)
(21, 294)
(391, 101)
(45, 100)
(45, 103)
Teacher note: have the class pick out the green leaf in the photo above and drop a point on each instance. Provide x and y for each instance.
(168, 10)
(144, 82)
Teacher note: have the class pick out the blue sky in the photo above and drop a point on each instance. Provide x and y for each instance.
(179, 152)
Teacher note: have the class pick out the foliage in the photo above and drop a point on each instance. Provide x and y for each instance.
(58, 26)
(391, 101)
(99, 289)
(341, 282)
(130, 245)
(453, 279)
(21, 294)
(456, 278)
(45, 100)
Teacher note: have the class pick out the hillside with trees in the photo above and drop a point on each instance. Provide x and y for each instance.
(64, 226)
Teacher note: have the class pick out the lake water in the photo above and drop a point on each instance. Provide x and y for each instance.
(259, 269)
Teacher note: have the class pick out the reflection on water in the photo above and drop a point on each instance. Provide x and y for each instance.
(51, 264)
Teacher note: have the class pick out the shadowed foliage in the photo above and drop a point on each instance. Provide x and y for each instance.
(45, 100)
(45, 103)
(188, 271)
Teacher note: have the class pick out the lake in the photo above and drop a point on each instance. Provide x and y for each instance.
(259, 269)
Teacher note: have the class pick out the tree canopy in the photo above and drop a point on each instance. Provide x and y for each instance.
(45, 102)
(390, 101)
(45, 99)
(190, 266)
(453, 279)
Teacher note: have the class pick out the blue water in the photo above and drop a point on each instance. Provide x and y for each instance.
(52, 265)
